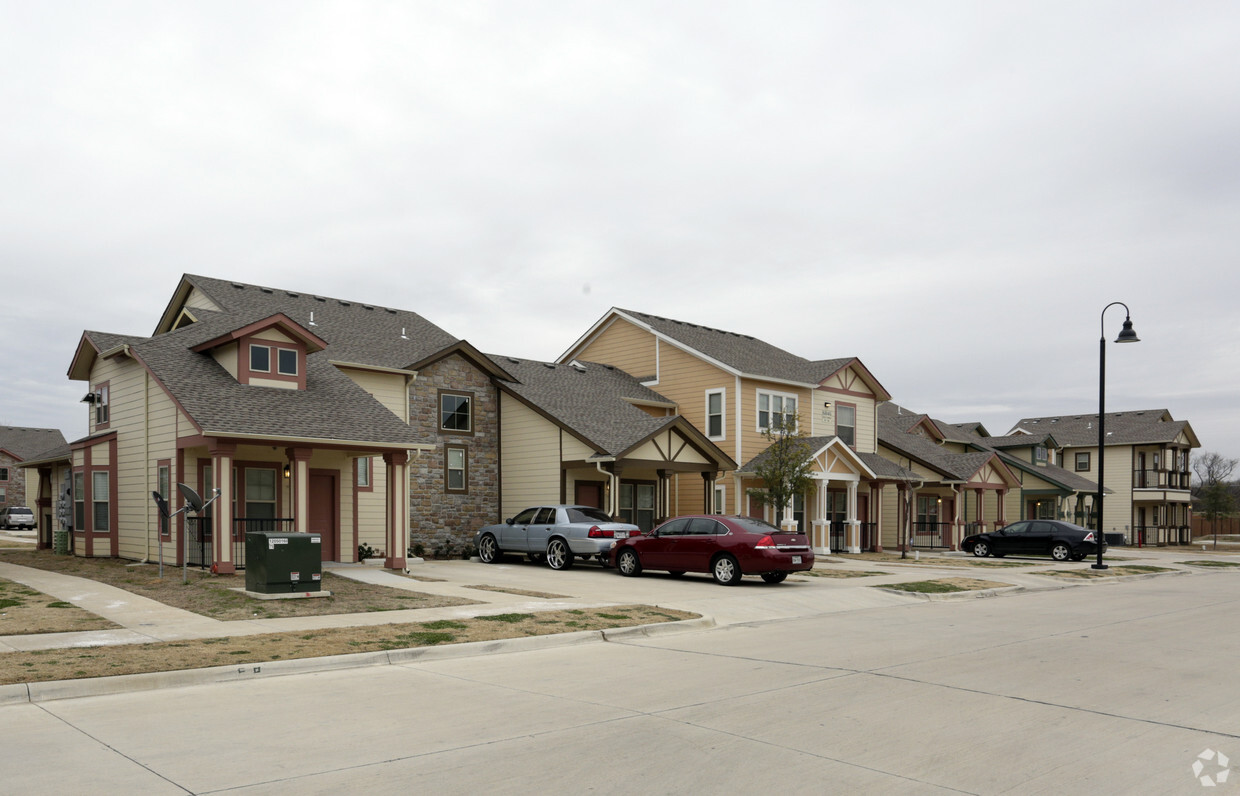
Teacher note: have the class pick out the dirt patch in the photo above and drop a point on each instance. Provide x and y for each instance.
(840, 573)
(946, 585)
(1223, 564)
(214, 595)
(520, 592)
(24, 611)
(935, 560)
(78, 663)
(1111, 572)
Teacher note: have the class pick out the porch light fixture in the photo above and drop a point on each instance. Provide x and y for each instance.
(287, 471)
(1126, 335)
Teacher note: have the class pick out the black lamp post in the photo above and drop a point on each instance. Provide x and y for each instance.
(1127, 335)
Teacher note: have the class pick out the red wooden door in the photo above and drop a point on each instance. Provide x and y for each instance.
(324, 513)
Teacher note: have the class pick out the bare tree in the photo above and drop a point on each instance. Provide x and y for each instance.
(786, 468)
(1213, 489)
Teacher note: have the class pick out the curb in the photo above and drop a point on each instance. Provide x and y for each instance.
(51, 690)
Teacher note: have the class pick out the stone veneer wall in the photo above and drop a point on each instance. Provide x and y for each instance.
(443, 523)
(15, 487)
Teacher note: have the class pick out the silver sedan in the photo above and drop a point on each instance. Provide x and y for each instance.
(559, 534)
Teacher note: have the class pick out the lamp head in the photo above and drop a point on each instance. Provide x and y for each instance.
(1127, 334)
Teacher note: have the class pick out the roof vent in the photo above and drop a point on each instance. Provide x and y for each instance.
(266, 289)
(367, 307)
(513, 360)
(293, 295)
(343, 303)
(312, 323)
(392, 312)
(550, 365)
(577, 366)
(319, 298)
(238, 286)
(403, 336)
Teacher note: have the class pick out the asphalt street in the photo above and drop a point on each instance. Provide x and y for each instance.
(1108, 688)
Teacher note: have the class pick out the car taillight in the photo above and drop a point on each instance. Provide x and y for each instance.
(1089, 537)
(765, 543)
(598, 533)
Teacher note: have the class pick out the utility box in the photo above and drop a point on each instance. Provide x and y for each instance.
(277, 563)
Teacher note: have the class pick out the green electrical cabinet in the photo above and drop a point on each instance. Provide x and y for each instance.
(277, 563)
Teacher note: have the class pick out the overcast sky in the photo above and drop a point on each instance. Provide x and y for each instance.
(951, 191)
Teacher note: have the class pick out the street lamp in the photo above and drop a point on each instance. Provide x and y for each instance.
(1127, 335)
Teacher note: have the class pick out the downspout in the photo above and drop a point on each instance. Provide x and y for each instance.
(611, 489)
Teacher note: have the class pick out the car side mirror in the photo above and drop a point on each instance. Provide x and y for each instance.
(509, 520)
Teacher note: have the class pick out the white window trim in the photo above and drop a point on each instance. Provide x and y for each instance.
(723, 414)
(757, 406)
(721, 498)
(251, 355)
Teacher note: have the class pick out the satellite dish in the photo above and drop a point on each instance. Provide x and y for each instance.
(191, 497)
(163, 504)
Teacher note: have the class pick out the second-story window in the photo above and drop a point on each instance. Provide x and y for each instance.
(103, 409)
(780, 408)
(1082, 462)
(456, 413)
(715, 420)
(846, 424)
(1039, 453)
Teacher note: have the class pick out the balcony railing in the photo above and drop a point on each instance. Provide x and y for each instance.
(1160, 479)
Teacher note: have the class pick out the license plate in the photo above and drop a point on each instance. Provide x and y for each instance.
(622, 534)
(796, 559)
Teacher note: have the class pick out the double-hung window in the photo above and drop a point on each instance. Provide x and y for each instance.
(716, 420)
(99, 500)
(79, 501)
(846, 424)
(103, 409)
(455, 470)
(778, 408)
(1082, 461)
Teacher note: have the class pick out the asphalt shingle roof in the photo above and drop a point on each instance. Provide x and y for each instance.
(592, 400)
(28, 443)
(893, 434)
(746, 354)
(1147, 426)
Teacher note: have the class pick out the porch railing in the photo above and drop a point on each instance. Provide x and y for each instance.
(1154, 535)
(199, 551)
(927, 535)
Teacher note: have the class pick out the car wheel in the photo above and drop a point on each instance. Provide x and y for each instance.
(559, 556)
(726, 570)
(774, 577)
(628, 564)
(981, 549)
(1061, 552)
(488, 550)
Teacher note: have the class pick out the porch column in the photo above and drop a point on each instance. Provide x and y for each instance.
(396, 508)
(665, 493)
(981, 510)
(903, 529)
(299, 487)
(1002, 518)
(959, 496)
(222, 456)
(708, 491)
(876, 514)
(852, 535)
(820, 539)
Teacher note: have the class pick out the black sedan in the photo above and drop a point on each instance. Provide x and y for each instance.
(1061, 541)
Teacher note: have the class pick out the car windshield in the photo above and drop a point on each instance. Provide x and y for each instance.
(754, 525)
(587, 514)
(19, 512)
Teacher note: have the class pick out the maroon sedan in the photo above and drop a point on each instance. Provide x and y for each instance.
(726, 547)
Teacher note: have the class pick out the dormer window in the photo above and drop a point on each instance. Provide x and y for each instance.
(286, 361)
(260, 358)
